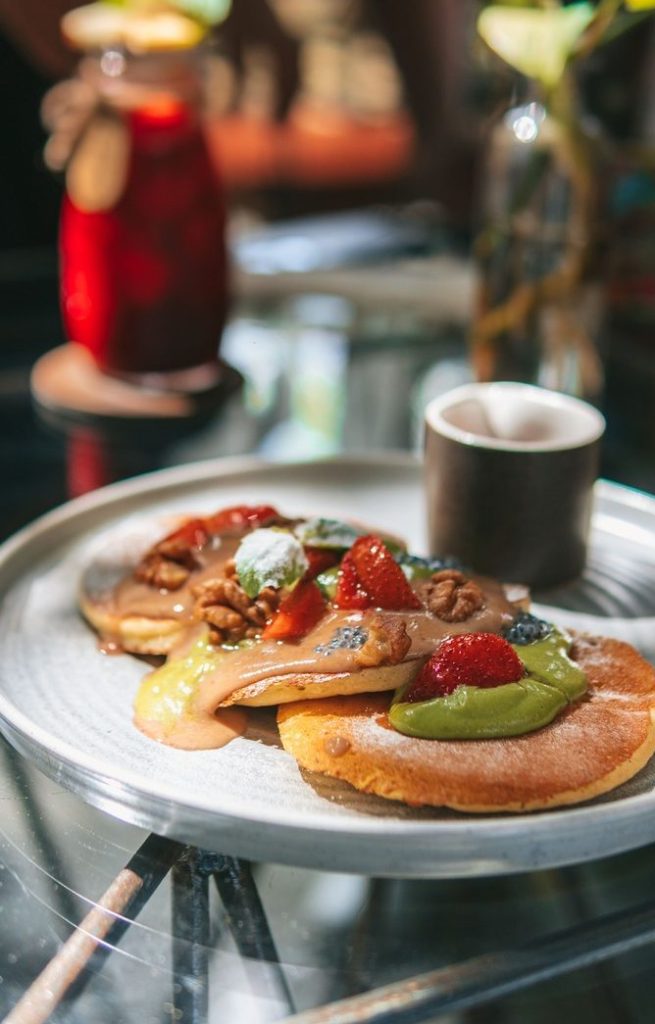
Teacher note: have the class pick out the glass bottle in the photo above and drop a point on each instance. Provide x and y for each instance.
(539, 305)
(143, 268)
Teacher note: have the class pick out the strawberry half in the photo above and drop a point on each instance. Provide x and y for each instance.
(240, 515)
(467, 659)
(195, 533)
(370, 570)
(298, 613)
(320, 559)
(192, 534)
(350, 591)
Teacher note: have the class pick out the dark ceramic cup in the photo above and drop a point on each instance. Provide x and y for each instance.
(509, 474)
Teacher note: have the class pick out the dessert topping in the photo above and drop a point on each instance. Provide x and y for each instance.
(452, 596)
(327, 533)
(350, 591)
(298, 613)
(417, 568)
(162, 573)
(244, 516)
(370, 576)
(350, 638)
(526, 629)
(170, 562)
(435, 710)
(269, 558)
(232, 615)
(320, 560)
(388, 643)
(336, 746)
(466, 659)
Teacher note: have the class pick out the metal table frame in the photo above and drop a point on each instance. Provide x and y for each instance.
(417, 1000)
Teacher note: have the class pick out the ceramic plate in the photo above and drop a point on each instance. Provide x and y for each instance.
(68, 708)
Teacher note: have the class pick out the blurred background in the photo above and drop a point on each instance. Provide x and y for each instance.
(410, 202)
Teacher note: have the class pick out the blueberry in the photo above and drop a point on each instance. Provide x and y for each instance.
(448, 562)
(526, 629)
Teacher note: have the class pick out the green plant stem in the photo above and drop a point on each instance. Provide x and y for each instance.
(596, 29)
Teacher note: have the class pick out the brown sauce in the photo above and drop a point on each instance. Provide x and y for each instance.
(108, 646)
(212, 726)
(336, 746)
(200, 732)
(133, 598)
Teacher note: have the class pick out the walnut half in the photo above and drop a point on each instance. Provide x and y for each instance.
(452, 596)
(388, 643)
(170, 562)
(231, 614)
(160, 572)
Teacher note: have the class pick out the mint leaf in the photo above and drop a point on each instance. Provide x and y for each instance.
(417, 568)
(269, 558)
(327, 533)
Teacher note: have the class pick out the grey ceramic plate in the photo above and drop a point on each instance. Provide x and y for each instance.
(68, 708)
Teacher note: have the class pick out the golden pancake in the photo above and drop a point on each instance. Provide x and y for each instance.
(315, 685)
(141, 617)
(593, 746)
(137, 634)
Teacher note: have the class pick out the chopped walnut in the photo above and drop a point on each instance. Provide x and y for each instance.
(170, 562)
(231, 614)
(452, 596)
(388, 643)
(160, 572)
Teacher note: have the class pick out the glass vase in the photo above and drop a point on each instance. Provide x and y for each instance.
(539, 307)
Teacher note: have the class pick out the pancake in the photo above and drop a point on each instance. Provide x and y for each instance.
(284, 689)
(141, 618)
(593, 746)
(124, 595)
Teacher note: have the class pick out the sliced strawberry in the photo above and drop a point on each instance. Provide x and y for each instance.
(298, 613)
(190, 535)
(241, 515)
(381, 576)
(320, 559)
(350, 591)
(195, 533)
(468, 659)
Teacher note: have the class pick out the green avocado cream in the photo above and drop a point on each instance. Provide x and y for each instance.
(166, 694)
(553, 680)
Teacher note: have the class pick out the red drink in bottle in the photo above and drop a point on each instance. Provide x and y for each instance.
(143, 267)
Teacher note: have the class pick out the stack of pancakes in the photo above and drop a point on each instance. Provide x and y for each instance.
(341, 728)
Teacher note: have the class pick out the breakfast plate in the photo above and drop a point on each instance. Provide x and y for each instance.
(68, 708)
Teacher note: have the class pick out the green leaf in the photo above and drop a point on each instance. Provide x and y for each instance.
(328, 581)
(328, 533)
(537, 42)
(417, 568)
(269, 558)
(337, 535)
